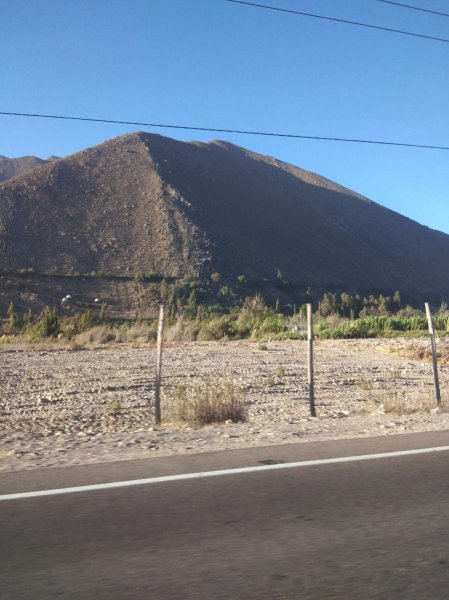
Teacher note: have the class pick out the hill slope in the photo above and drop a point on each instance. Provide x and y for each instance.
(143, 202)
(10, 167)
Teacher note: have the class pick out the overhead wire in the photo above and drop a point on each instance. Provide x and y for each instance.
(410, 6)
(222, 130)
(337, 20)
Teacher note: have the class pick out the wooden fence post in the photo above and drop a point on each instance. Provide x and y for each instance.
(157, 394)
(310, 360)
(434, 354)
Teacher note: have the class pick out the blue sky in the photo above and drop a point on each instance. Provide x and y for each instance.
(215, 64)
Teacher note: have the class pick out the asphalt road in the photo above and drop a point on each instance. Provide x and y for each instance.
(356, 530)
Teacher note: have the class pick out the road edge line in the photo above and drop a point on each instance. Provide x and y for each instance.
(220, 473)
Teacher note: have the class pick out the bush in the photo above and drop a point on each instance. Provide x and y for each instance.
(102, 334)
(48, 325)
(25, 271)
(351, 329)
(182, 329)
(216, 329)
(211, 404)
(271, 325)
(14, 321)
(378, 325)
(73, 326)
(138, 332)
(252, 312)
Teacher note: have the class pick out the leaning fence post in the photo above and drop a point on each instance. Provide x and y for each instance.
(434, 353)
(310, 360)
(157, 394)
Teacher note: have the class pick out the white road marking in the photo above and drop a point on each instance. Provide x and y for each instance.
(205, 474)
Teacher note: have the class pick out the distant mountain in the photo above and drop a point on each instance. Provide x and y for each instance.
(144, 203)
(10, 167)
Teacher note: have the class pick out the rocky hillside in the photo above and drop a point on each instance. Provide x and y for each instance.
(10, 167)
(144, 203)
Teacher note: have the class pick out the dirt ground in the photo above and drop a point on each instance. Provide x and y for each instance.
(59, 406)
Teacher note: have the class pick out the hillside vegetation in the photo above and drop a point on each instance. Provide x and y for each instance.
(335, 317)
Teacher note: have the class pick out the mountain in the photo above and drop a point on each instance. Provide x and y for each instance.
(145, 203)
(10, 167)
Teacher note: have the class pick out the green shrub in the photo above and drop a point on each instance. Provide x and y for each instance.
(273, 324)
(351, 329)
(378, 325)
(25, 271)
(48, 325)
(225, 291)
(73, 326)
(252, 312)
(216, 329)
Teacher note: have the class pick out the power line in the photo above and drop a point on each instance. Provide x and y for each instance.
(426, 10)
(334, 19)
(221, 130)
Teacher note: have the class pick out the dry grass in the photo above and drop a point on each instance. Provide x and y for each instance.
(400, 405)
(208, 404)
(181, 330)
(115, 406)
(422, 352)
(280, 372)
(139, 332)
(366, 386)
(102, 334)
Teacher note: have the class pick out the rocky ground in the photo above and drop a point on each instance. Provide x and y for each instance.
(59, 406)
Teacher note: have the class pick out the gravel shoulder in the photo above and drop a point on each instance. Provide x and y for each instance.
(63, 407)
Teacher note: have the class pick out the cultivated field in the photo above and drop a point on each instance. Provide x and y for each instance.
(64, 406)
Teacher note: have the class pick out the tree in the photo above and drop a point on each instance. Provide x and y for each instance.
(192, 304)
(13, 318)
(163, 291)
(328, 305)
(348, 304)
(48, 324)
(384, 305)
(225, 290)
(172, 300)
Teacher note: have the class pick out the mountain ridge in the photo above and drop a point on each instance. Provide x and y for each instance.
(143, 203)
(12, 167)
